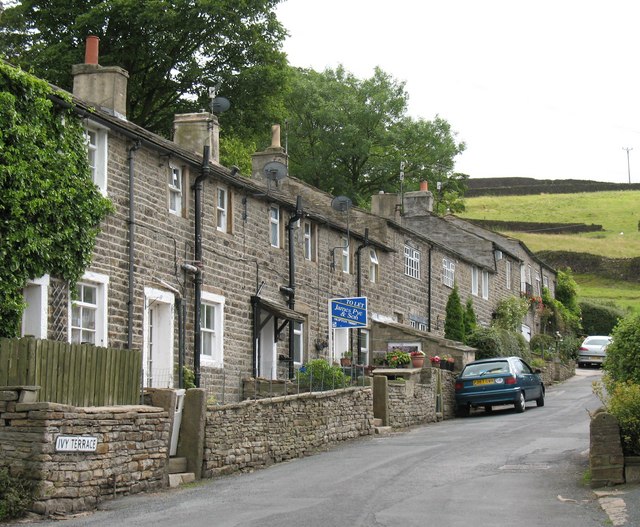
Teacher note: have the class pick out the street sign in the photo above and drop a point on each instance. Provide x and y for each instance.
(348, 312)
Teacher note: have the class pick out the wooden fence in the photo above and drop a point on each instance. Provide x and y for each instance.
(75, 374)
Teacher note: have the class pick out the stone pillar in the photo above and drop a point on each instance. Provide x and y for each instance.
(191, 442)
(605, 455)
(381, 399)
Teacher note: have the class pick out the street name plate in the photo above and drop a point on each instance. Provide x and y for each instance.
(76, 444)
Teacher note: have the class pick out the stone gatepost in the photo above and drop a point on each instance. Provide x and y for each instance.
(605, 456)
(381, 399)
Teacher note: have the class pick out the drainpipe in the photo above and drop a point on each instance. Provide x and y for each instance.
(198, 186)
(132, 233)
(359, 288)
(429, 293)
(291, 289)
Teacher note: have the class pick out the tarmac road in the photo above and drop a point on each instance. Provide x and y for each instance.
(498, 469)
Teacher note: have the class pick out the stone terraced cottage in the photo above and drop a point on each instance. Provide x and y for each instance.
(230, 274)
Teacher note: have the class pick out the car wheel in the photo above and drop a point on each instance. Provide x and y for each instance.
(540, 400)
(520, 404)
(488, 408)
(463, 410)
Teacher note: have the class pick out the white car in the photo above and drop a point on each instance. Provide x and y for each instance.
(593, 350)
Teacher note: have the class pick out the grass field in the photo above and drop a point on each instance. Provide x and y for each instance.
(618, 212)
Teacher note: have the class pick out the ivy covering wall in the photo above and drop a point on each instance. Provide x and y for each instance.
(50, 210)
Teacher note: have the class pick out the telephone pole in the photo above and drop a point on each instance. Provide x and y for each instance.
(628, 165)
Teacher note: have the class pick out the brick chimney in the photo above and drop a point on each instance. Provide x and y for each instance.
(275, 152)
(417, 203)
(104, 87)
(195, 130)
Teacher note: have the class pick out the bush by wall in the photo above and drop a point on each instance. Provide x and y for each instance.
(622, 362)
(16, 495)
(624, 404)
(599, 319)
(498, 342)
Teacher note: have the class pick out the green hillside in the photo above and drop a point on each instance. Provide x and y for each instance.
(617, 211)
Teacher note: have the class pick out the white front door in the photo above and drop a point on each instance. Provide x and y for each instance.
(340, 342)
(158, 339)
(268, 348)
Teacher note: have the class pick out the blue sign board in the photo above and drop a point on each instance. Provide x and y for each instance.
(348, 312)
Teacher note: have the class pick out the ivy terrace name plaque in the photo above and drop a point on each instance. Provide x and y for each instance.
(76, 444)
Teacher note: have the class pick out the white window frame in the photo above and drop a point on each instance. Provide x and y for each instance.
(374, 266)
(365, 338)
(222, 208)
(101, 283)
(97, 154)
(474, 280)
(508, 273)
(346, 255)
(175, 184)
(309, 241)
(274, 225)
(448, 272)
(216, 333)
(538, 284)
(545, 281)
(485, 285)
(298, 345)
(35, 315)
(523, 279)
(411, 262)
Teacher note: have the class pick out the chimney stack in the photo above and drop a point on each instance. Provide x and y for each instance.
(275, 152)
(195, 130)
(104, 87)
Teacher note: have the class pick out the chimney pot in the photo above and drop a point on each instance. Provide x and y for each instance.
(424, 186)
(91, 50)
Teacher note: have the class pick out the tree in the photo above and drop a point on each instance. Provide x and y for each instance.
(622, 362)
(174, 52)
(454, 317)
(349, 136)
(469, 319)
(50, 208)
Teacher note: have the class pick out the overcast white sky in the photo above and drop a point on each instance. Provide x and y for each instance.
(547, 89)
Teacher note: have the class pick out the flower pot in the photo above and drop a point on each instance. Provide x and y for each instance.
(417, 362)
(345, 361)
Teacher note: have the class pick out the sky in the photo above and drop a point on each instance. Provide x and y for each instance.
(547, 89)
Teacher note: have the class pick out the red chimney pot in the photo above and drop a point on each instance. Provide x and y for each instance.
(424, 186)
(91, 50)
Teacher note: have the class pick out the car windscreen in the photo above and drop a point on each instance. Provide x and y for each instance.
(486, 368)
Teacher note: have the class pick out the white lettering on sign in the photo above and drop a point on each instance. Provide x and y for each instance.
(76, 444)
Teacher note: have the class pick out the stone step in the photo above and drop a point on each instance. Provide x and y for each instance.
(377, 422)
(177, 465)
(383, 430)
(175, 480)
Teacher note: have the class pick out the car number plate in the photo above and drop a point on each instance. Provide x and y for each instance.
(595, 358)
(480, 382)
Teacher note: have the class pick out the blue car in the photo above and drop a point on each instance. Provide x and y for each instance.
(498, 381)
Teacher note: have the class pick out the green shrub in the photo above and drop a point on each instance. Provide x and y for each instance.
(622, 362)
(454, 317)
(16, 495)
(469, 319)
(599, 318)
(396, 358)
(319, 375)
(510, 313)
(542, 344)
(624, 404)
(537, 362)
(568, 348)
(498, 342)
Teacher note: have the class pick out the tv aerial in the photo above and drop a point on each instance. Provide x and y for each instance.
(218, 104)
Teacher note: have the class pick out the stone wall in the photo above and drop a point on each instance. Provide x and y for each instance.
(605, 454)
(557, 371)
(419, 396)
(254, 434)
(131, 454)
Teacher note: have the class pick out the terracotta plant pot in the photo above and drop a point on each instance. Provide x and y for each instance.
(417, 362)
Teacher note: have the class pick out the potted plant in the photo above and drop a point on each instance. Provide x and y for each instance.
(397, 358)
(435, 361)
(345, 360)
(451, 362)
(417, 359)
